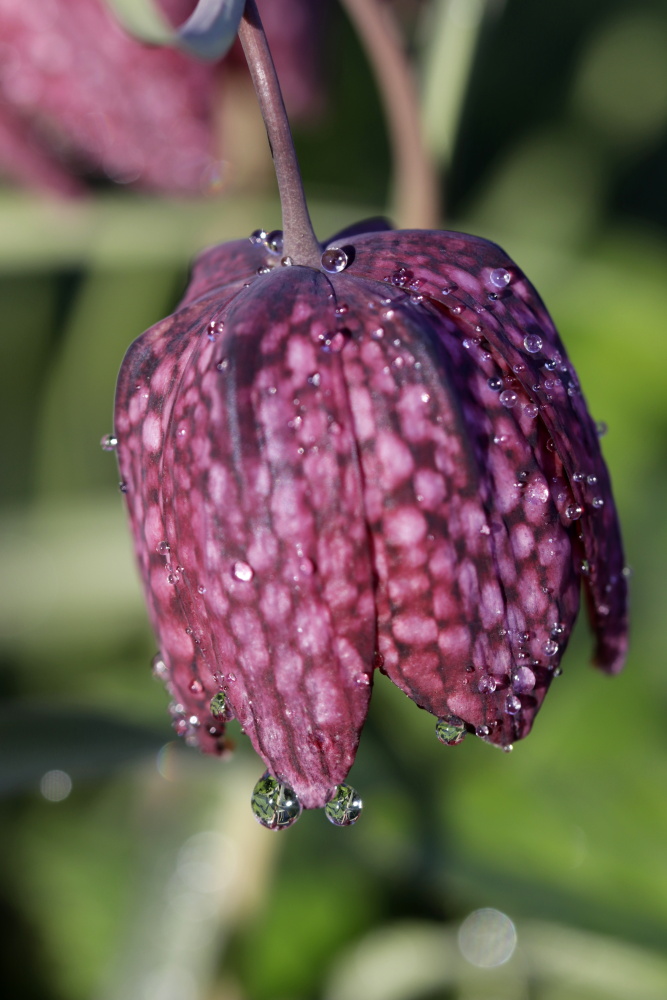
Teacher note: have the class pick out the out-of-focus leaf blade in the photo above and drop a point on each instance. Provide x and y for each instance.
(36, 738)
(208, 33)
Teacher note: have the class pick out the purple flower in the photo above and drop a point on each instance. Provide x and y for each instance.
(386, 463)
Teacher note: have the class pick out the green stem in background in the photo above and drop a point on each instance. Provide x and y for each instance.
(299, 241)
(450, 31)
(416, 201)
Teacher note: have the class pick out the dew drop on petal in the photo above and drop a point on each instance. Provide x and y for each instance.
(450, 730)
(258, 237)
(242, 571)
(274, 805)
(274, 241)
(163, 548)
(315, 379)
(597, 502)
(500, 277)
(523, 680)
(574, 511)
(482, 732)
(531, 410)
(122, 487)
(508, 398)
(591, 480)
(550, 647)
(159, 667)
(196, 686)
(487, 684)
(512, 705)
(495, 384)
(344, 807)
(533, 343)
(109, 442)
(334, 260)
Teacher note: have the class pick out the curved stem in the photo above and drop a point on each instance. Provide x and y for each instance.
(416, 189)
(299, 240)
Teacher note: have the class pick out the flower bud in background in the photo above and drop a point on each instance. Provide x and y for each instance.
(80, 97)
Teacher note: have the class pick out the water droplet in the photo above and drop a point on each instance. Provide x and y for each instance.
(377, 334)
(449, 288)
(264, 269)
(242, 571)
(600, 429)
(274, 805)
(122, 486)
(334, 260)
(173, 578)
(335, 343)
(450, 730)
(163, 548)
(627, 571)
(274, 241)
(512, 705)
(523, 680)
(344, 807)
(531, 410)
(286, 261)
(550, 647)
(487, 938)
(591, 480)
(315, 379)
(584, 567)
(603, 609)
(482, 732)
(109, 442)
(196, 686)
(574, 511)
(557, 629)
(495, 384)
(597, 502)
(159, 667)
(500, 278)
(214, 329)
(508, 398)
(219, 705)
(201, 590)
(401, 277)
(533, 343)
(487, 684)
(508, 748)
(578, 477)
(258, 237)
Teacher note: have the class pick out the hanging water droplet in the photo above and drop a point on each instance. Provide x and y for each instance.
(574, 511)
(532, 343)
(274, 805)
(334, 260)
(109, 442)
(163, 548)
(344, 807)
(219, 705)
(258, 237)
(482, 732)
(274, 241)
(597, 502)
(450, 730)
(495, 384)
(242, 571)
(508, 398)
(122, 486)
(600, 429)
(557, 629)
(550, 647)
(286, 261)
(264, 270)
(500, 277)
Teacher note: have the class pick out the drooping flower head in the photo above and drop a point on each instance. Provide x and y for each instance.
(385, 463)
(372, 454)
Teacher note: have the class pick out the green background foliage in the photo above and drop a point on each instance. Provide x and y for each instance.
(151, 880)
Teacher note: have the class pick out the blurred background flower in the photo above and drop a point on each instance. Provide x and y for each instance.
(133, 867)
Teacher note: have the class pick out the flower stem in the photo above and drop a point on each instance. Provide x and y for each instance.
(299, 240)
(416, 189)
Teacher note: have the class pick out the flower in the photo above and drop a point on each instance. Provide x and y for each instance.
(80, 96)
(385, 463)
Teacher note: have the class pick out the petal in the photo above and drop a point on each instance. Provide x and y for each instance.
(259, 493)
(490, 300)
(474, 567)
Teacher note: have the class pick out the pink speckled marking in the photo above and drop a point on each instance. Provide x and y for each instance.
(330, 484)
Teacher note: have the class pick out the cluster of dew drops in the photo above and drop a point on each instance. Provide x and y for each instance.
(274, 804)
